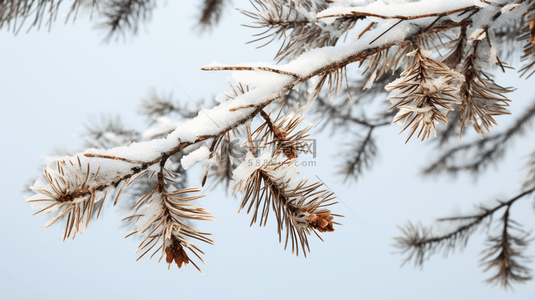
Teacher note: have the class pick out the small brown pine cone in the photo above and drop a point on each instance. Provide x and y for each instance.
(290, 152)
(322, 222)
(177, 253)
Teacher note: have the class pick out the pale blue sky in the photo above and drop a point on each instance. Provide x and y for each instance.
(50, 82)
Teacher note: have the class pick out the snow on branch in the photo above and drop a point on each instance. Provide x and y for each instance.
(400, 38)
(402, 11)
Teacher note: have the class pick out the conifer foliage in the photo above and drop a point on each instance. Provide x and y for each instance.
(434, 57)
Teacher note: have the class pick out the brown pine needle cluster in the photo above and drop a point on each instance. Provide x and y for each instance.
(424, 95)
(299, 207)
(291, 22)
(73, 197)
(279, 133)
(272, 184)
(160, 216)
(481, 97)
(388, 59)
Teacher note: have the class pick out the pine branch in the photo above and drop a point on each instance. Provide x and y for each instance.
(427, 91)
(528, 49)
(446, 135)
(155, 106)
(418, 243)
(424, 94)
(504, 252)
(367, 12)
(279, 134)
(122, 15)
(229, 154)
(476, 156)
(210, 13)
(290, 22)
(482, 98)
(14, 13)
(160, 213)
(359, 156)
(299, 208)
(230, 115)
(529, 178)
(108, 132)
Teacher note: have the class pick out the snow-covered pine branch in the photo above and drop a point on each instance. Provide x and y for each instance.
(394, 34)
